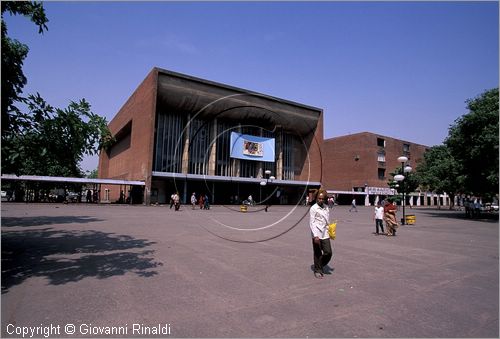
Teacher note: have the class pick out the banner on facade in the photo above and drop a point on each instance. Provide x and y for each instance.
(250, 147)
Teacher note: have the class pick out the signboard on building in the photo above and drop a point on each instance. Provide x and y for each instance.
(380, 190)
(250, 147)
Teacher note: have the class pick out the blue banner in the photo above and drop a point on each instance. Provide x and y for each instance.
(249, 147)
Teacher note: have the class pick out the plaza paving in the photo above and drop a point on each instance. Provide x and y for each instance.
(223, 273)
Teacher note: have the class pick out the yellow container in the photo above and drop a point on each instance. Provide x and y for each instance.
(243, 208)
(410, 219)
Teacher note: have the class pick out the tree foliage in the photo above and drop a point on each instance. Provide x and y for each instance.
(439, 172)
(467, 162)
(57, 140)
(473, 141)
(13, 55)
(40, 139)
(408, 185)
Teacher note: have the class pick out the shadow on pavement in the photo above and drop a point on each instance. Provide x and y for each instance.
(68, 256)
(42, 220)
(484, 217)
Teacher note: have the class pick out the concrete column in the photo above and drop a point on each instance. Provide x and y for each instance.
(185, 153)
(418, 200)
(367, 199)
(279, 150)
(213, 149)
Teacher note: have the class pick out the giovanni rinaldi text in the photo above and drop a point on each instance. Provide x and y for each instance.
(51, 330)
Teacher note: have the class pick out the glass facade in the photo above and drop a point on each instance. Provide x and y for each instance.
(209, 140)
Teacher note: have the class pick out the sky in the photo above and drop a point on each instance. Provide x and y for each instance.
(400, 69)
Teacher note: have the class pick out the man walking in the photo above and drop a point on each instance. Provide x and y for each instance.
(319, 216)
(353, 206)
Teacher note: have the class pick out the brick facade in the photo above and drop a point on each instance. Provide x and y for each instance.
(352, 161)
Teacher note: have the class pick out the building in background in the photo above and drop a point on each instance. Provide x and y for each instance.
(183, 134)
(359, 165)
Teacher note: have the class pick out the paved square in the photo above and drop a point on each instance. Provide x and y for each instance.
(223, 273)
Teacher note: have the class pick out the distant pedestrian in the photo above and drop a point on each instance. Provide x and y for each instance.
(201, 201)
(206, 203)
(330, 202)
(193, 200)
(379, 219)
(172, 200)
(353, 206)
(177, 201)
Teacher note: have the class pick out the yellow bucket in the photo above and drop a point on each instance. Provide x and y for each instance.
(410, 219)
(243, 208)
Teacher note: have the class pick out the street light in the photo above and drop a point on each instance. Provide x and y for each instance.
(269, 178)
(401, 178)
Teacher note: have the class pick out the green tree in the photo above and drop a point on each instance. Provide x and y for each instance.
(408, 185)
(43, 140)
(439, 172)
(57, 140)
(13, 55)
(473, 141)
(94, 174)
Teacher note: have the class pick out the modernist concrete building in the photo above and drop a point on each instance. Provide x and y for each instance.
(359, 165)
(185, 134)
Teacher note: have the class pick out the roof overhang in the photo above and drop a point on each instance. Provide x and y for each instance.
(72, 180)
(208, 100)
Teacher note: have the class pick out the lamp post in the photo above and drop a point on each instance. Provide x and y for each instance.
(269, 178)
(401, 178)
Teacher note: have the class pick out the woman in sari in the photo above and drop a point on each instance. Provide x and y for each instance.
(390, 218)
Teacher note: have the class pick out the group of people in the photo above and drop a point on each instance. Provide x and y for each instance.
(319, 223)
(202, 201)
(385, 211)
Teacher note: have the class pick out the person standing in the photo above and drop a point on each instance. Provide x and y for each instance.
(206, 202)
(319, 217)
(379, 218)
(172, 200)
(177, 201)
(353, 205)
(193, 200)
(390, 218)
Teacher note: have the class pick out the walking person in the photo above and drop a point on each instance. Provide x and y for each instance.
(177, 201)
(319, 218)
(172, 200)
(193, 200)
(390, 218)
(379, 218)
(206, 202)
(353, 205)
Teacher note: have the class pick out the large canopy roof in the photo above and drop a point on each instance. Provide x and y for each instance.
(208, 100)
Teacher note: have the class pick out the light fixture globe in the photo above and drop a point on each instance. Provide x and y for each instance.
(402, 159)
(408, 169)
(399, 177)
(272, 177)
(263, 183)
(267, 172)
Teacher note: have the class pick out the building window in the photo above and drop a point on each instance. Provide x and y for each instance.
(169, 145)
(380, 142)
(381, 157)
(288, 157)
(406, 150)
(223, 166)
(199, 146)
(381, 173)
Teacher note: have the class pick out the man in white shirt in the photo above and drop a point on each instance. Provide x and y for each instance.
(319, 220)
(379, 218)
